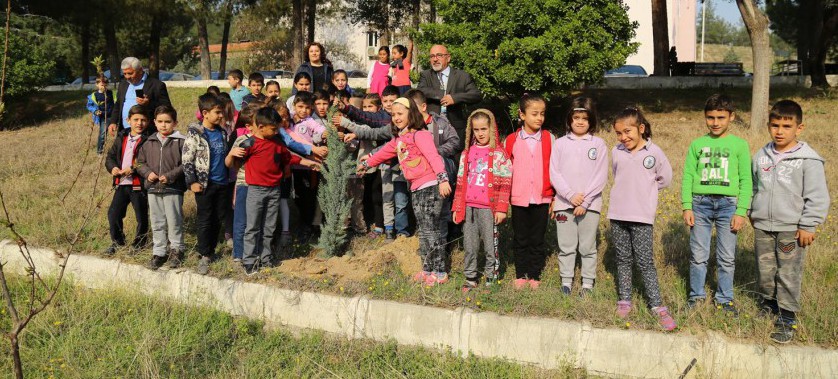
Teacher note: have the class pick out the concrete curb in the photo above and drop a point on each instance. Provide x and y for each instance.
(547, 343)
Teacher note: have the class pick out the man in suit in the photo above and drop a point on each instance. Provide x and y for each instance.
(449, 90)
(154, 94)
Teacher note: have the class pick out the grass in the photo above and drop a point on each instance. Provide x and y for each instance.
(122, 333)
(34, 183)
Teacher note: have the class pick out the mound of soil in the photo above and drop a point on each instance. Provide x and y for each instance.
(361, 265)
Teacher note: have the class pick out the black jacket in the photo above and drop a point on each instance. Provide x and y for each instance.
(460, 86)
(114, 157)
(157, 95)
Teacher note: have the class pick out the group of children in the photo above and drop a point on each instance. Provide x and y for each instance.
(242, 159)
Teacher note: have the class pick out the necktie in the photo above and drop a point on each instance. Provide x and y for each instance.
(443, 109)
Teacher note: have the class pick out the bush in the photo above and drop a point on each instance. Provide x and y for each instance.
(28, 68)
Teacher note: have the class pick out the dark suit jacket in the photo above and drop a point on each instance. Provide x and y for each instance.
(157, 95)
(461, 87)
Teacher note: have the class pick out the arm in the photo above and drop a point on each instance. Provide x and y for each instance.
(117, 108)
(556, 178)
(384, 154)
(663, 170)
(369, 74)
(425, 143)
(373, 134)
(687, 178)
(470, 93)
(746, 184)
(112, 161)
(815, 196)
(409, 56)
(451, 140)
(373, 119)
(427, 86)
(188, 158)
(142, 167)
(92, 107)
(503, 181)
(293, 145)
(599, 178)
(164, 96)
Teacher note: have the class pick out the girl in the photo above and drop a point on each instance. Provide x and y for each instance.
(377, 78)
(318, 68)
(272, 89)
(400, 67)
(484, 181)
(529, 148)
(578, 172)
(340, 79)
(423, 168)
(240, 193)
(640, 171)
(302, 83)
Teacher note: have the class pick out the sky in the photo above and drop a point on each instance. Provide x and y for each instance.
(726, 9)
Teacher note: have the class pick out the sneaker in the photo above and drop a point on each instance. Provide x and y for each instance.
(520, 283)
(250, 270)
(420, 276)
(783, 330)
(203, 265)
(441, 277)
(390, 234)
(768, 308)
(566, 290)
(469, 285)
(266, 265)
(175, 258)
(585, 292)
(728, 308)
(237, 260)
(375, 233)
(431, 279)
(285, 239)
(534, 284)
(694, 302)
(665, 319)
(156, 262)
(623, 308)
(111, 250)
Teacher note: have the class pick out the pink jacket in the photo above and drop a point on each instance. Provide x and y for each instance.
(419, 159)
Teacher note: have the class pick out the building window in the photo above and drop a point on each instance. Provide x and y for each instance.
(372, 39)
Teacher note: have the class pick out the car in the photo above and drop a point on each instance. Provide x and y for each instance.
(167, 76)
(277, 74)
(213, 74)
(356, 74)
(627, 71)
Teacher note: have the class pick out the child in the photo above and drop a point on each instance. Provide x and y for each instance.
(302, 83)
(578, 172)
(121, 163)
(240, 192)
(482, 206)
(272, 89)
(377, 78)
(255, 82)
(237, 90)
(640, 170)
(206, 175)
(306, 181)
(716, 190)
(790, 200)
(340, 80)
(529, 148)
(159, 162)
(424, 170)
(400, 67)
(322, 102)
(267, 159)
(100, 106)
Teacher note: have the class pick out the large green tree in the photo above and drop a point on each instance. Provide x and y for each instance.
(811, 26)
(544, 46)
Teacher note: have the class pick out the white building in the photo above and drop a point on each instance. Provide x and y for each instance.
(681, 16)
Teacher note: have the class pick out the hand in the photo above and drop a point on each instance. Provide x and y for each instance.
(111, 129)
(499, 217)
(336, 119)
(324, 135)
(579, 211)
(804, 238)
(142, 100)
(737, 223)
(360, 170)
(364, 158)
(444, 189)
(163, 179)
(349, 137)
(98, 113)
(152, 177)
(447, 100)
(237, 152)
(196, 187)
(320, 151)
(550, 208)
(577, 199)
(689, 217)
(116, 171)
(454, 217)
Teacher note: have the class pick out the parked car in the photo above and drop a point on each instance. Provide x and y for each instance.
(627, 71)
(163, 75)
(213, 74)
(277, 74)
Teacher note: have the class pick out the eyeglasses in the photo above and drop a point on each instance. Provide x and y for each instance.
(437, 56)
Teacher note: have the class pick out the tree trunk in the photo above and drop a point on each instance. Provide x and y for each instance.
(297, 31)
(203, 41)
(112, 52)
(660, 37)
(821, 44)
(432, 12)
(154, 46)
(757, 24)
(417, 7)
(16, 356)
(311, 10)
(222, 58)
(804, 34)
(85, 52)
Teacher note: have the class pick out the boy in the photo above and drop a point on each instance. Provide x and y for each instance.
(267, 159)
(206, 175)
(790, 200)
(716, 190)
(306, 181)
(100, 106)
(255, 82)
(160, 165)
(237, 90)
(121, 163)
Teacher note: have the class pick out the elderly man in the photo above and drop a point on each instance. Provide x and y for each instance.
(152, 93)
(448, 90)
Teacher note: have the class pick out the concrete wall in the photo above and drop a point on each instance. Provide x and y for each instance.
(548, 343)
(283, 83)
(686, 82)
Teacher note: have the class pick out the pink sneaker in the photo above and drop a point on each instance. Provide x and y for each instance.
(420, 276)
(534, 284)
(441, 277)
(432, 279)
(623, 308)
(664, 318)
(520, 283)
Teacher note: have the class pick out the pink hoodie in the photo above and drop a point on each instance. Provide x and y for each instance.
(419, 159)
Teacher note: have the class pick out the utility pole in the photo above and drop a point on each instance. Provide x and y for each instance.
(703, 18)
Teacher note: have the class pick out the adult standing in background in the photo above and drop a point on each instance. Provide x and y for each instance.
(153, 94)
(317, 66)
(449, 90)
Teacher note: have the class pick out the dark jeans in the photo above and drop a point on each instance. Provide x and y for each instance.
(528, 226)
(103, 131)
(305, 195)
(239, 221)
(228, 218)
(212, 209)
(373, 209)
(122, 197)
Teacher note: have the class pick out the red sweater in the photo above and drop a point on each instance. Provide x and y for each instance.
(267, 160)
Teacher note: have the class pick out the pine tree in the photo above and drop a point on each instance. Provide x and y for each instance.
(332, 195)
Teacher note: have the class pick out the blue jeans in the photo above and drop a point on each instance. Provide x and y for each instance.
(239, 221)
(712, 210)
(103, 129)
(401, 197)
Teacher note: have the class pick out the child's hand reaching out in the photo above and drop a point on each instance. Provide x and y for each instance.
(237, 152)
